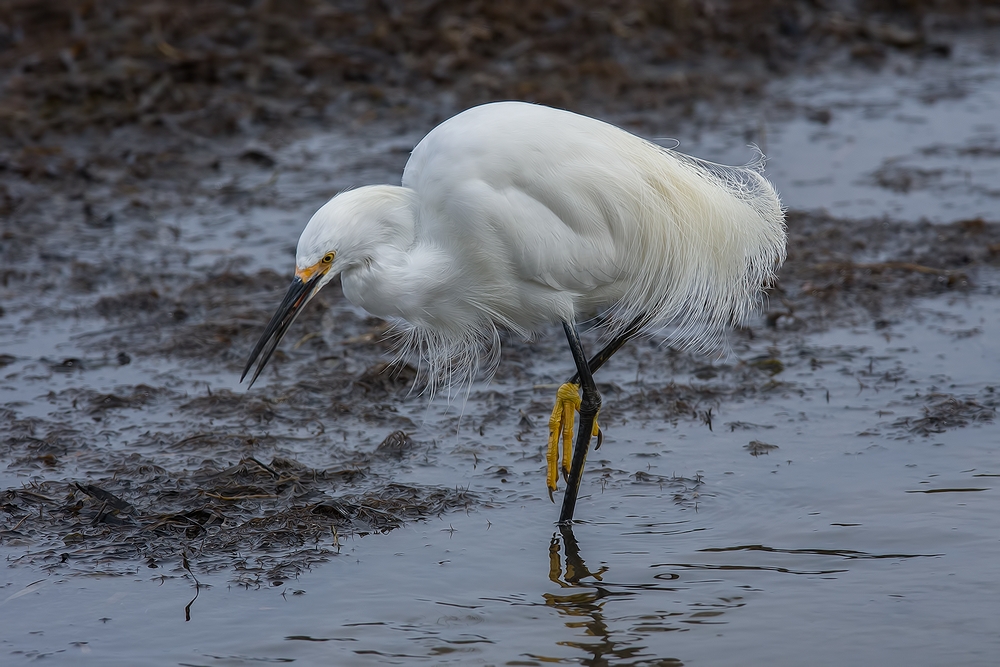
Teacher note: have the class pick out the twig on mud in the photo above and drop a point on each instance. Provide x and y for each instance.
(253, 496)
(308, 337)
(202, 436)
(36, 496)
(266, 467)
(197, 587)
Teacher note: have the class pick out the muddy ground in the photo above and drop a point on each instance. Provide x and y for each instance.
(120, 123)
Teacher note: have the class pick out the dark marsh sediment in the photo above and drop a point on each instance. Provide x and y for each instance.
(129, 129)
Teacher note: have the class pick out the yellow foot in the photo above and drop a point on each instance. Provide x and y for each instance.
(561, 424)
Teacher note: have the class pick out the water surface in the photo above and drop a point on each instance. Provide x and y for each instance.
(841, 511)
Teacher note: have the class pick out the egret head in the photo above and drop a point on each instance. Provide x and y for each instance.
(345, 233)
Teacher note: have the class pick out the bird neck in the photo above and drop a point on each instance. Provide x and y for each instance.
(408, 283)
(380, 274)
(402, 276)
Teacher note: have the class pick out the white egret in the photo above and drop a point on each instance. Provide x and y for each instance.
(513, 216)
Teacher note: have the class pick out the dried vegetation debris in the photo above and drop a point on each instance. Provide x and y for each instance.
(903, 178)
(941, 412)
(196, 317)
(707, 386)
(138, 86)
(218, 317)
(223, 65)
(676, 401)
(819, 242)
(843, 270)
(758, 448)
(98, 403)
(104, 494)
(291, 514)
(686, 491)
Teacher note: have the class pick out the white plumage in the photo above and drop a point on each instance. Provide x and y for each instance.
(516, 216)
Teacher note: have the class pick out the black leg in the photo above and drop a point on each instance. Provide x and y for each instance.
(608, 350)
(606, 353)
(589, 407)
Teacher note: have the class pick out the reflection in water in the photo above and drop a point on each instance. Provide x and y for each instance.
(576, 569)
(584, 608)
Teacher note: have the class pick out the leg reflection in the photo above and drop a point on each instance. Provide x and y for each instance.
(583, 607)
(576, 569)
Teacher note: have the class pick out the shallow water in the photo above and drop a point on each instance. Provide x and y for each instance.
(914, 140)
(854, 541)
(866, 533)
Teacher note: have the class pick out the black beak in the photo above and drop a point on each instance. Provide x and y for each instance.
(296, 297)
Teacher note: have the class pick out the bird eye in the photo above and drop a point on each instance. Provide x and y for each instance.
(327, 258)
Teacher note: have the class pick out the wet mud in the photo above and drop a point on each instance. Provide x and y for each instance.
(158, 162)
(150, 471)
(226, 66)
(146, 472)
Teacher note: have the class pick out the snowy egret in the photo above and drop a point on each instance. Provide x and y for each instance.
(513, 216)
